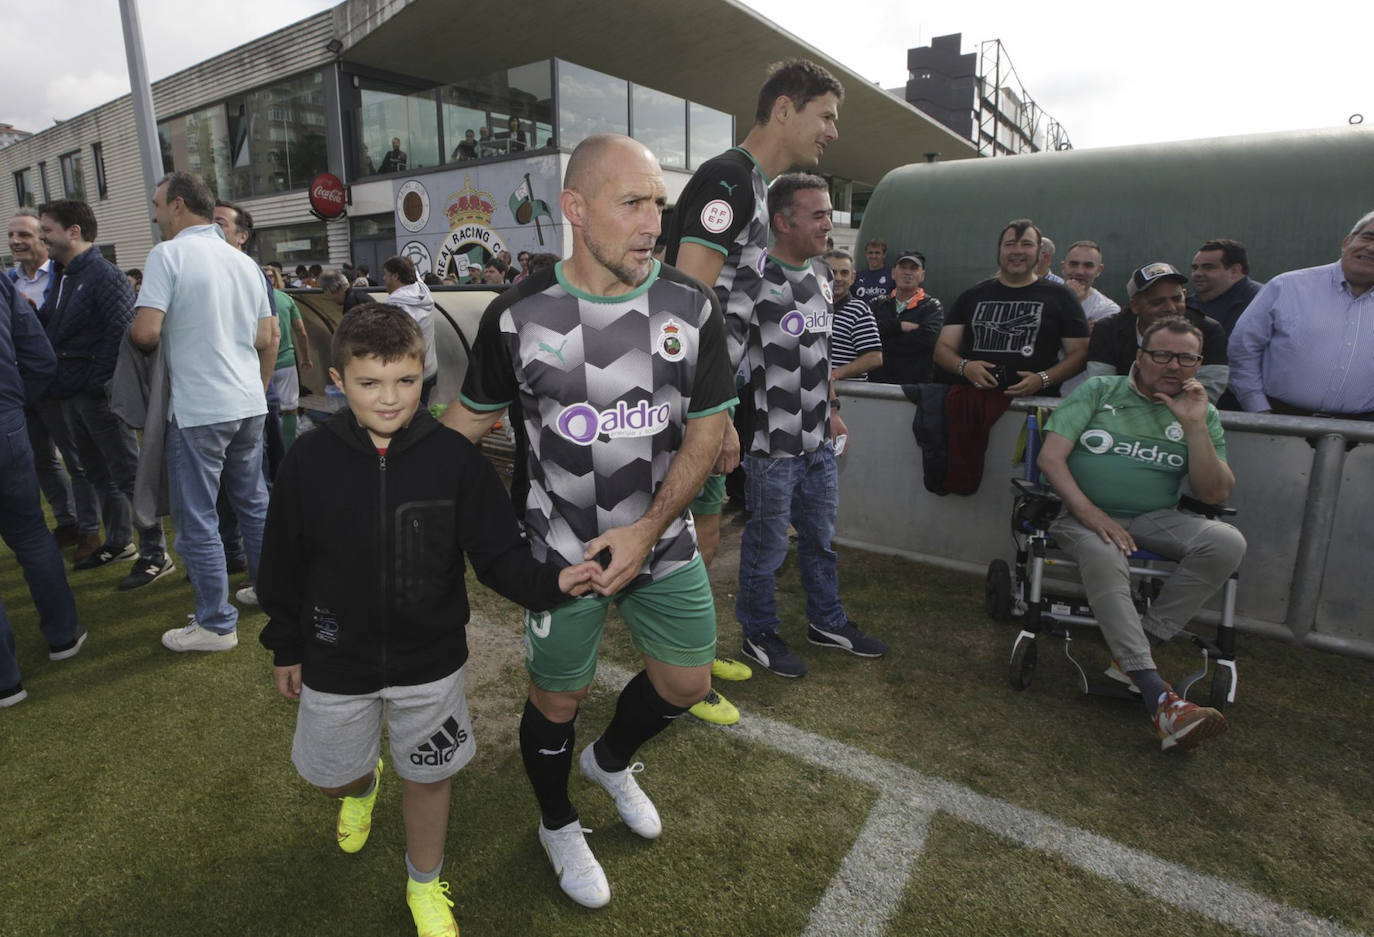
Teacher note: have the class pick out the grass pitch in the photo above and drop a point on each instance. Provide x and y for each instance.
(150, 793)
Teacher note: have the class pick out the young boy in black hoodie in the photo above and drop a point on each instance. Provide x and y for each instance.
(362, 581)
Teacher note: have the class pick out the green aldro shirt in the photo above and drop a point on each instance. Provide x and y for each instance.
(1129, 455)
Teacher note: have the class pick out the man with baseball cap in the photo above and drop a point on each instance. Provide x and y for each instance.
(1157, 291)
(909, 321)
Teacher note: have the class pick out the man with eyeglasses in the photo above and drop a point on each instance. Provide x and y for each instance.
(1157, 291)
(1116, 452)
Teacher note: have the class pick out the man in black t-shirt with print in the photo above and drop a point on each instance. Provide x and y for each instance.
(1009, 331)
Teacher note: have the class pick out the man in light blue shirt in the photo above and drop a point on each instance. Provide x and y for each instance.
(1305, 344)
(208, 305)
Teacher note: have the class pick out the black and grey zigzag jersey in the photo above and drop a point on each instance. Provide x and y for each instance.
(786, 342)
(724, 206)
(605, 385)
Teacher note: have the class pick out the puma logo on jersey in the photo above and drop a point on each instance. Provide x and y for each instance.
(556, 352)
(729, 189)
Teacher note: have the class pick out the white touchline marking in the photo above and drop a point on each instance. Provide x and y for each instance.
(867, 889)
(916, 796)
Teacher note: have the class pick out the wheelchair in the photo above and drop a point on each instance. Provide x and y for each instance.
(1023, 593)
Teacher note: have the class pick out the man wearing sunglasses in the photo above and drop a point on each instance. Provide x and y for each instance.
(1117, 451)
(1157, 291)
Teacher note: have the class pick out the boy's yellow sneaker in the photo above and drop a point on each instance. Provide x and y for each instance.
(429, 905)
(355, 816)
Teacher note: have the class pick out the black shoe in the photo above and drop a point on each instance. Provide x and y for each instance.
(66, 535)
(847, 637)
(15, 694)
(68, 650)
(104, 555)
(772, 653)
(147, 569)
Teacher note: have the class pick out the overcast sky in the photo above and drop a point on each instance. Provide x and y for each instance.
(1112, 74)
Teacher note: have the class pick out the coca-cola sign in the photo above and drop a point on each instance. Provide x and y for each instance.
(327, 196)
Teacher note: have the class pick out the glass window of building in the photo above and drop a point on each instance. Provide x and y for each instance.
(284, 129)
(659, 121)
(373, 226)
(588, 103)
(398, 129)
(43, 181)
(23, 188)
(293, 244)
(199, 142)
(73, 179)
(102, 187)
(506, 111)
(712, 132)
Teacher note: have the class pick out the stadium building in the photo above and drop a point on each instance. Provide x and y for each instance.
(383, 93)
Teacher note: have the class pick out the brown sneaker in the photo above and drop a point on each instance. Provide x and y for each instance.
(1181, 724)
(87, 544)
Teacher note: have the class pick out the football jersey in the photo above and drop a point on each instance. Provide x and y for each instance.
(870, 285)
(725, 207)
(785, 342)
(604, 386)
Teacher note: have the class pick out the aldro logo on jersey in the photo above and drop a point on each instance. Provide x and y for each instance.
(1100, 442)
(582, 423)
(798, 321)
(442, 745)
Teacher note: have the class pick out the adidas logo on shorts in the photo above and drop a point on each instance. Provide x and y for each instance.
(442, 745)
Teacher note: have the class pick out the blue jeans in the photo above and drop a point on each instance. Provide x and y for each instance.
(805, 492)
(198, 458)
(25, 531)
(108, 449)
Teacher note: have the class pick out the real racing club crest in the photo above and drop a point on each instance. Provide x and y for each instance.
(827, 291)
(670, 345)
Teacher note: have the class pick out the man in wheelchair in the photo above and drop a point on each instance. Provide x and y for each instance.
(1116, 452)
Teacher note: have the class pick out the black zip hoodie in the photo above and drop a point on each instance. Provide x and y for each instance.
(362, 557)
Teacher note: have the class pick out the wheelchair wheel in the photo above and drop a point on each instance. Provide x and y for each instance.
(1022, 666)
(998, 590)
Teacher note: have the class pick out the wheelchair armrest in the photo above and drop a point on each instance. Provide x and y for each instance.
(1032, 490)
(1213, 511)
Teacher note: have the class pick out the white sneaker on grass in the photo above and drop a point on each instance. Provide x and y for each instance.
(195, 638)
(247, 595)
(635, 807)
(579, 874)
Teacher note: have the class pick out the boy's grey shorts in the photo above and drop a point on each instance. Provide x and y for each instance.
(339, 737)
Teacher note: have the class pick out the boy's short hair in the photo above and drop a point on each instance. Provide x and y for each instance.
(375, 329)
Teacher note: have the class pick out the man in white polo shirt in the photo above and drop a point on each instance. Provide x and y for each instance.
(208, 304)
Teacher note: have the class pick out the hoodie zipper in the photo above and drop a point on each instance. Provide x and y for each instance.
(386, 555)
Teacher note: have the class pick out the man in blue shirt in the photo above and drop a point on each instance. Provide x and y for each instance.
(1304, 345)
(876, 281)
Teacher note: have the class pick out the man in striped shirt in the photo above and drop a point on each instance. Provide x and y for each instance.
(855, 347)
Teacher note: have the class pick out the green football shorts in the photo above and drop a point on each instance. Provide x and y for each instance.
(672, 620)
(711, 496)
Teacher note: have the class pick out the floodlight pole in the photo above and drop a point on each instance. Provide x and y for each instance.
(141, 92)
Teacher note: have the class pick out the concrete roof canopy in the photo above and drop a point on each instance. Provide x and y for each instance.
(715, 52)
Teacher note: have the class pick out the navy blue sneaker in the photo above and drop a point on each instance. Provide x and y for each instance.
(847, 637)
(772, 653)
